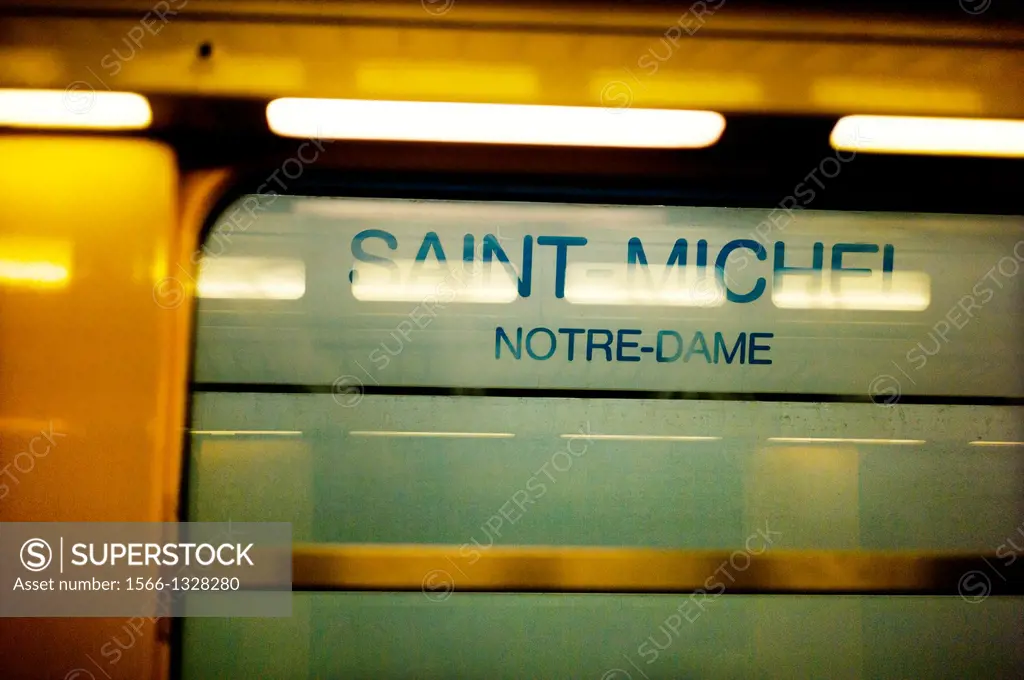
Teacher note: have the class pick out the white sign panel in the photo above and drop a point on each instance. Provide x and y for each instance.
(462, 294)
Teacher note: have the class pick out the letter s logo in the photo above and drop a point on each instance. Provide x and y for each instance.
(36, 554)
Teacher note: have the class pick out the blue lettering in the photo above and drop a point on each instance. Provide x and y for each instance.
(499, 335)
(678, 254)
(529, 343)
(635, 255)
(601, 339)
(754, 347)
(493, 249)
(623, 344)
(661, 357)
(723, 256)
(362, 256)
(816, 268)
(468, 245)
(635, 252)
(840, 249)
(561, 244)
(693, 347)
(740, 346)
(431, 242)
(606, 345)
(572, 333)
(888, 255)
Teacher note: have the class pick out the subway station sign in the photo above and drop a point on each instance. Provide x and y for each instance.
(473, 294)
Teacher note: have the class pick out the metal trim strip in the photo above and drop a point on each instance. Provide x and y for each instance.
(432, 568)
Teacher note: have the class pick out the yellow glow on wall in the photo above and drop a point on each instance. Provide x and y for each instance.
(494, 123)
(34, 262)
(839, 93)
(74, 109)
(622, 88)
(446, 80)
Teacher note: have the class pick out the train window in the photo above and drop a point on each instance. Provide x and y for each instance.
(479, 374)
